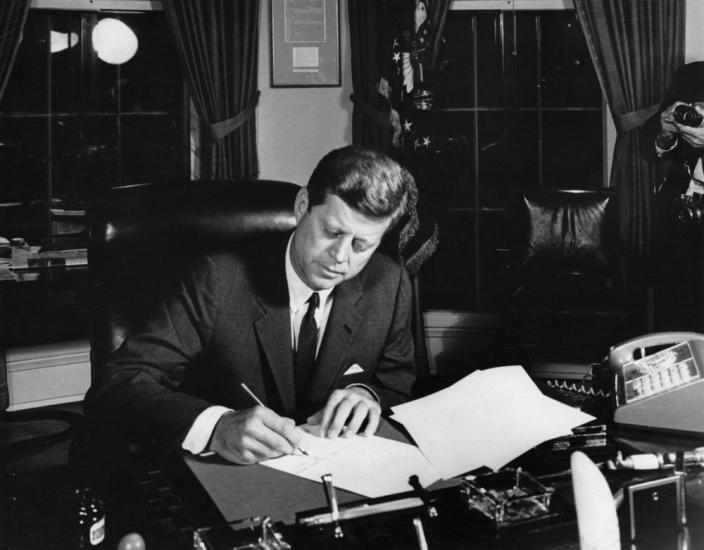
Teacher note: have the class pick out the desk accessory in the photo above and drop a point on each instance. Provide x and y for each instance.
(332, 501)
(678, 461)
(596, 511)
(257, 533)
(509, 497)
(661, 390)
(420, 533)
(648, 503)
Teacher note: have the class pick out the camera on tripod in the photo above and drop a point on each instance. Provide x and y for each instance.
(690, 209)
(688, 116)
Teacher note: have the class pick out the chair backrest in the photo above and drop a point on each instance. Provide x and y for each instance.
(141, 236)
(566, 232)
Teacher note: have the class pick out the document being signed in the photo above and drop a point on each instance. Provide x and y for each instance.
(487, 419)
(370, 466)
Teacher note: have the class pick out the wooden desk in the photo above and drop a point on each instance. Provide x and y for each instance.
(238, 492)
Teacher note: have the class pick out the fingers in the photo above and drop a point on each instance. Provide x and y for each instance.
(346, 412)
(692, 135)
(253, 435)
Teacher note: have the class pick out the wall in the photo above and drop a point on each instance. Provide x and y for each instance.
(297, 126)
(694, 41)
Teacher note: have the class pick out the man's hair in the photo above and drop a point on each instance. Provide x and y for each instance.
(367, 180)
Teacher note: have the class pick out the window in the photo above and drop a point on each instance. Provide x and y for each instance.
(519, 99)
(72, 125)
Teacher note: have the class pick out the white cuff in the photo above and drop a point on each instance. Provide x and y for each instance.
(201, 431)
(659, 151)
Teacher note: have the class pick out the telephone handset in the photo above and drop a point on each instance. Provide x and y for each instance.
(658, 381)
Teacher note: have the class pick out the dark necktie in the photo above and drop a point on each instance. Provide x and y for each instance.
(305, 353)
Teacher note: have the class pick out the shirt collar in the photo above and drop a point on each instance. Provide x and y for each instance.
(298, 291)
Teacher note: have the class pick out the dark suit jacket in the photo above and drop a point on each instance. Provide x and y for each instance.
(677, 248)
(229, 322)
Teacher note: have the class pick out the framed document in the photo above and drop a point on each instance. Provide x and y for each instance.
(305, 43)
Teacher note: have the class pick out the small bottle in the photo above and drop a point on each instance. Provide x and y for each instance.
(90, 519)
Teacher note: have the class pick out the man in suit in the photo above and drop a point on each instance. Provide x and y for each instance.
(315, 324)
(678, 246)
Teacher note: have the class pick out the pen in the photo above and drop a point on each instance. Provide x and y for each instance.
(259, 402)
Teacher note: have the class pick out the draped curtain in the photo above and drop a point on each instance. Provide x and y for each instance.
(217, 42)
(636, 46)
(372, 27)
(13, 15)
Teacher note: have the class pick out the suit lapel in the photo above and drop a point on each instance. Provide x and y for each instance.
(342, 326)
(274, 326)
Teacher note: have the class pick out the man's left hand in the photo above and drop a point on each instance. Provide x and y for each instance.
(346, 412)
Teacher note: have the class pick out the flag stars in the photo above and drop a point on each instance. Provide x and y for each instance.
(407, 126)
(426, 141)
(397, 57)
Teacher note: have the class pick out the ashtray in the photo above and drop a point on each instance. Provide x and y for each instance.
(509, 497)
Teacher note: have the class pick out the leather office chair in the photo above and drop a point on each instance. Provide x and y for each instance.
(572, 293)
(141, 236)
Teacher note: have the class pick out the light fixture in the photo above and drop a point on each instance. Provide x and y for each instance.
(114, 41)
(60, 41)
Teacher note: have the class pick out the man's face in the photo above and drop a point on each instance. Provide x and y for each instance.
(332, 242)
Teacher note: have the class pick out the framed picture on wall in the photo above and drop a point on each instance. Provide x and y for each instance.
(305, 43)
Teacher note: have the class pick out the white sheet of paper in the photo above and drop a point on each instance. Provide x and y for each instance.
(370, 466)
(486, 419)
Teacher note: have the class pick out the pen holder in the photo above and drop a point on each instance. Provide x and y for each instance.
(255, 533)
(509, 497)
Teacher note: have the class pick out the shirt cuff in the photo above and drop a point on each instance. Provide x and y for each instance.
(364, 386)
(660, 151)
(201, 431)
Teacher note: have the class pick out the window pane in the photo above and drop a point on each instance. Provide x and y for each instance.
(521, 59)
(455, 86)
(85, 158)
(508, 154)
(449, 275)
(151, 149)
(494, 274)
(26, 89)
(147, 80)
(66, 63)
(490, 80)
(568, 77)
(22, 158)
(572, 144)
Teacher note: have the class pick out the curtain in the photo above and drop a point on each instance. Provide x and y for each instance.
(13, 15)
(371, 35)
(636, 46)
(217, 42)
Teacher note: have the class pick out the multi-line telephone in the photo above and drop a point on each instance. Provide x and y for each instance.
(657, 381)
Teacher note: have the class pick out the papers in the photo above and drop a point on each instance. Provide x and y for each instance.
(370, 466)
(32, 257)
(488, 418)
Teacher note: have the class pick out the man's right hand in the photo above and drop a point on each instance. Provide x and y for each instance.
(667, 118)
(253, 435)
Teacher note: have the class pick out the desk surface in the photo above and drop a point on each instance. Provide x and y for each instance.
(241, 492)
(248, 491)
